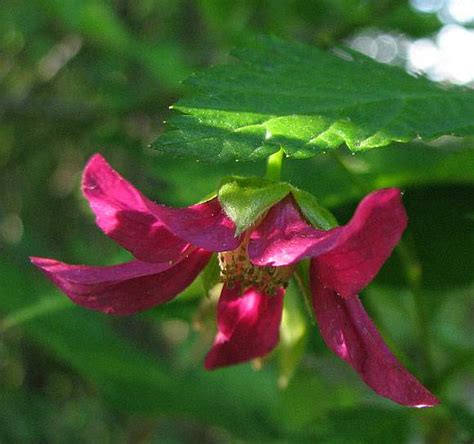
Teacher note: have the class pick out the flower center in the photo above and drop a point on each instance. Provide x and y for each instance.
(236, 268)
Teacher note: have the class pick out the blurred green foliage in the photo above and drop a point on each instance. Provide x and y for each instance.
(80, 77)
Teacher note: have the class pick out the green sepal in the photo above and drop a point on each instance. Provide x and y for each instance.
(245, 199)
(293, 336)
(317, 215)
(210, 276)
(302, 279)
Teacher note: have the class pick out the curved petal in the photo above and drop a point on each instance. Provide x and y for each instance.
(204, 225)
(126, 288)
(248, 326)
(349, 332)
(123, 213)
(350, 256)
(365, 243)
(283, 237)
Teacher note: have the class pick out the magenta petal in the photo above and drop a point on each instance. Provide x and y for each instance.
(123, 213)
(365, 243)
(204, 225)
(349, 332)
(283, 237)
(350, 256)
(248, 326)
(126, 288)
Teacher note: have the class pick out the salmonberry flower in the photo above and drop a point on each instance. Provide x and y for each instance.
(172, 246)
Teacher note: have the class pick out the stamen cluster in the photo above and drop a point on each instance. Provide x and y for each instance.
(236, 268)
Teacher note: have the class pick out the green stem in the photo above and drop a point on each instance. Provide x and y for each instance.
(40, 308)
(274, 164)
(413, 273)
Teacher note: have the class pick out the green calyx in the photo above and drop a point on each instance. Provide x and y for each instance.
(317, 215)
(246, 199)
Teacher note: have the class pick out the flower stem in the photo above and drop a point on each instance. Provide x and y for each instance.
(274, 164)
(413, 274)
(38, 309)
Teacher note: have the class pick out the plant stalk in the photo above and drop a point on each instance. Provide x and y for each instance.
(41, 308)
(413, 274)
(274, 165)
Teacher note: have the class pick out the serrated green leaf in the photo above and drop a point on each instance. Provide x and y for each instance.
(305, 100)
(317, 215)
(245, 199)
